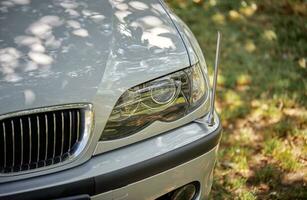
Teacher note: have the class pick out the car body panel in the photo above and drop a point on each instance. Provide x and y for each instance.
(199, 169)
(58, 52)
(73, 51)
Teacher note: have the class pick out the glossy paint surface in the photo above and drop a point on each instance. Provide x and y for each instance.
(58, 52)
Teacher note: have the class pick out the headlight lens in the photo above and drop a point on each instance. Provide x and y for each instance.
(165, 99)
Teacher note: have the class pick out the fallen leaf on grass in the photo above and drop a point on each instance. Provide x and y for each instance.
(228, 164)
(294, 177)
(250, 46)
(244, 79)
(255, 103)
(263, 187)
(249, 10)
(218, 18)
(269, 35)
(235, 15)
(302, 63)
(198, 1)
(295, 112)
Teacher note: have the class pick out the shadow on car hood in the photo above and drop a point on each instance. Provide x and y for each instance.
(66, 51)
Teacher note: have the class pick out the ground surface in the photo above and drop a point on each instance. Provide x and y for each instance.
(262, 93)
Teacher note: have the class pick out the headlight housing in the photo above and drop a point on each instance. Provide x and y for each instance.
(166, 99)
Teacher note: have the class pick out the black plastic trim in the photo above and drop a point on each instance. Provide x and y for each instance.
(78, 197)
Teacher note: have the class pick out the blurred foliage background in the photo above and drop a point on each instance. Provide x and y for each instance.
(262, 93)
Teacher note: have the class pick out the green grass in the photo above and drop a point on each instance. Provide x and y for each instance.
(262, 93)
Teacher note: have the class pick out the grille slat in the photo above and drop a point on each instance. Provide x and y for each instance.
(4, 144)
(46, 150)
(54, 135)
(36, 140)
(70, 131)
(63, 128)
(21, 143)
(78, 126)
(13, 143)
(30, 141)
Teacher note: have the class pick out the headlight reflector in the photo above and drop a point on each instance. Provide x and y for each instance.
(164, 99)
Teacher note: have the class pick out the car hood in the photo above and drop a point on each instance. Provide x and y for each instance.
(65, 51)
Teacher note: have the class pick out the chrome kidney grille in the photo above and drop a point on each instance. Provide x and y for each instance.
(43, 137)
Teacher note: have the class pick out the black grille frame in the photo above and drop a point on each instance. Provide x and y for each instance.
(42, 138)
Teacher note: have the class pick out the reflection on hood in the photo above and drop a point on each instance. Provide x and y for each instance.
(52, 50)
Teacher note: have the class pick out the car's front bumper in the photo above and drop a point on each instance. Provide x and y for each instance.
(145, 170)
(197, 170)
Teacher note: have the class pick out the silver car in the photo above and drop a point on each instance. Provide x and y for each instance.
(103, 100)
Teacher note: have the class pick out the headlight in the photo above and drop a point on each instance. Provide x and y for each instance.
(164, 99)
